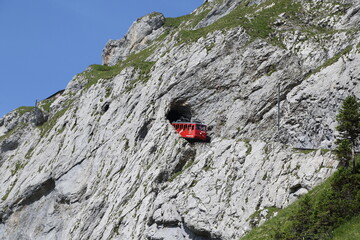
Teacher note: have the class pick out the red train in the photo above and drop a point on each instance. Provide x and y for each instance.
(191, 130)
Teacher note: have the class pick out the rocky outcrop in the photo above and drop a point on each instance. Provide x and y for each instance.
(141, 32)
(107, 163)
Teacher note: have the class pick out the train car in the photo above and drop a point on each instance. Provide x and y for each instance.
(191, 130)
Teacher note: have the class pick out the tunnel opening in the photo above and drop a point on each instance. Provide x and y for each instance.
(179, 111)
(192, 130)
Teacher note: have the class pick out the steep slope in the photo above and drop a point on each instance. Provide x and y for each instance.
(102, 161)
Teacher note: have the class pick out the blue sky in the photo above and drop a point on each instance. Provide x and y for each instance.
(44, 43)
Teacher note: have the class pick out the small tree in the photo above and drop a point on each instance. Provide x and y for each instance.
(349, 129)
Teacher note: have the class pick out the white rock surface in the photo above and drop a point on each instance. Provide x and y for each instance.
(107, 164)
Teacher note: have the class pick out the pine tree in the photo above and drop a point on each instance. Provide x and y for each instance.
(349, 128)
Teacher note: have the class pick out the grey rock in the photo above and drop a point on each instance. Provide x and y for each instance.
(113, 167)
(141, 32)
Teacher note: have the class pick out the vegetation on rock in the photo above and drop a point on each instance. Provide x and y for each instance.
(317, 214)
(337, 201)
(138, 60)
(24, 109)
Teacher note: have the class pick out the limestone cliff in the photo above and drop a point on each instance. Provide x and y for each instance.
(102, 161)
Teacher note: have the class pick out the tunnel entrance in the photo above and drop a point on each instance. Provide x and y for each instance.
(190, 129)
(179, 111)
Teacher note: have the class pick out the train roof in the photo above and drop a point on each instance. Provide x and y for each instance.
(195, 122)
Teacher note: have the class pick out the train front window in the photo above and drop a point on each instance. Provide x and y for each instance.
(200, 127)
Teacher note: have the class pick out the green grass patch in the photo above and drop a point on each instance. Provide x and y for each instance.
(210, 46)
(255, 218)
(255, 19)
(154, 14)
(12, 131)
(271, 69)
(6, 195)
(306, 151)
(162, 37)
(29, 153)
(175, 175)
(18, 166)
(176, 22)
(47, 126)
(138, 61)
(349, 230)
(334, 59)
(325, 151)
(24, 109)
(45, 104)
(248, 146)
(191, 19)
(108, 91)
(8, 134)
(8, 191)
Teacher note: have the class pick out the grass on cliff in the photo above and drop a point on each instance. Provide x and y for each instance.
(329, 211)
(331, 61)
(8, 134)
(24, 109)
(48, 125)
(45, 104)
(190, 19)
(137, 60)
(349, 231)
(257, 20)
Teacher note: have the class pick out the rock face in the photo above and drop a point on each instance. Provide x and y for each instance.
(106, 163)
(143, 30)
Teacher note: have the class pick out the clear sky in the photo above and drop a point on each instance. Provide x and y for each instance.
(44, 43)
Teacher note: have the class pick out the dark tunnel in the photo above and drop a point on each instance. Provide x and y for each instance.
(179, 111)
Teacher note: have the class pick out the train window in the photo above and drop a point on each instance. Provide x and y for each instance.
(192, 127)
(200, 127)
